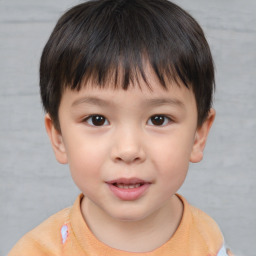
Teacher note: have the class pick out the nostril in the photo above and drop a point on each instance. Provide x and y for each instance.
(128, 153)
(128, 159)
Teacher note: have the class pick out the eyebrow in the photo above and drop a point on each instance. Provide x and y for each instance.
(164, 101)
(91, 100)
(148, 102)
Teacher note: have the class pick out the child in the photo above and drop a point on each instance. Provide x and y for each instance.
(127, 89)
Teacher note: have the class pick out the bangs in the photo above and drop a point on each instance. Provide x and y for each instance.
(113, 40)
(109, 42)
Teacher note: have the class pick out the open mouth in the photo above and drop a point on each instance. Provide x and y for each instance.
(124, 183)
(127, 186)
(128, 189)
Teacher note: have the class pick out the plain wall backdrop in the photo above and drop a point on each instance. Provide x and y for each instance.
(33, 185)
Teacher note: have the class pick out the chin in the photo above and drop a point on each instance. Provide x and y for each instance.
(130, 215)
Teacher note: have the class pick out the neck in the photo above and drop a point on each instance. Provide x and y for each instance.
(134, 236)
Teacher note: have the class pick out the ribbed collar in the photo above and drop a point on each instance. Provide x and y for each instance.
(92, 246)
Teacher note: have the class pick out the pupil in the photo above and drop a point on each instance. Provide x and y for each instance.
(157, 120)
(98, 120)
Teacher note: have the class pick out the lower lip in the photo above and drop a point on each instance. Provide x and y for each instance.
(129, 194)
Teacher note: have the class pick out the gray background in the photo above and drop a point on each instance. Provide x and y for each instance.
(33, 185)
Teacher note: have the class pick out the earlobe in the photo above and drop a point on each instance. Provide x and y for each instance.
(56, 140)
(201, 138)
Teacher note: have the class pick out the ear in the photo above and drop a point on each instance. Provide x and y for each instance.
(201, 137)
(56, 140)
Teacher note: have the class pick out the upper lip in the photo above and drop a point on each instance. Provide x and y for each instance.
(127, 181)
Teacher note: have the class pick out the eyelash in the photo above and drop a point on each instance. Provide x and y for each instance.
(102, 121)
(164, 120)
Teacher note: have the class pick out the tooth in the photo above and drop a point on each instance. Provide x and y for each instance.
(128, 186)
(120, 185)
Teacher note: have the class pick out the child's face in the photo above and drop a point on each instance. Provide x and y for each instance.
(129, 151)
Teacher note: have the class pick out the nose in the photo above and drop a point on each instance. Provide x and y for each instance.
(128, 147)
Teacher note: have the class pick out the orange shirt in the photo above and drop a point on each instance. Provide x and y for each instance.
(66, 233)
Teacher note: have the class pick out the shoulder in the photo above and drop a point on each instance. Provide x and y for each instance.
(44, 239)
(203, 230)
(205, 225)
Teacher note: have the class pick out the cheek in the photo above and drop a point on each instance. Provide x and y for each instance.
(172, 174)
(173, 167)
(85, 159)
(172, 161)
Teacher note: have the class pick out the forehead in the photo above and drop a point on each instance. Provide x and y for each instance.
(147, 91)
(145, 79)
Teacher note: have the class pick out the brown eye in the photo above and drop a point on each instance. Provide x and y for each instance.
(158, 120)
(97, 120)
